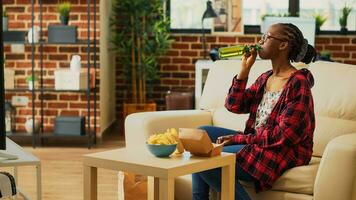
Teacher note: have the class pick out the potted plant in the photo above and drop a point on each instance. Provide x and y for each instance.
(346, 10)
(64, 11)
(140, 36)
(31, 81)
(5, 21)
(319, 21)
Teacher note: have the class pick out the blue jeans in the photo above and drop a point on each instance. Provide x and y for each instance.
(202, 181)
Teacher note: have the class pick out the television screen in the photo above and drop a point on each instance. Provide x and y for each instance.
(306, 25)
(2, 96)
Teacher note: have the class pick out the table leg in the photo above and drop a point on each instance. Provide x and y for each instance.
(39, 182)
(90, 183)
(152, 188)
(166, 189)
(228, 182)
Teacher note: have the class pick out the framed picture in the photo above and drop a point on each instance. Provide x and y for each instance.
(229, 20)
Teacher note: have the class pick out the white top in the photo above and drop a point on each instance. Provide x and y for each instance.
(265, 107)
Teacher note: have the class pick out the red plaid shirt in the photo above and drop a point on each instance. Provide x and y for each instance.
(286, 140)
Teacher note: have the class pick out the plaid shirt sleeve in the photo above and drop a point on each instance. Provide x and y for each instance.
(239, 98)
(291, 122)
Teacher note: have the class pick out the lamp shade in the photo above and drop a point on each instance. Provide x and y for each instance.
(209, 12)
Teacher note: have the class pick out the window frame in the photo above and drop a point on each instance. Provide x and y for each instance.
(293, 9)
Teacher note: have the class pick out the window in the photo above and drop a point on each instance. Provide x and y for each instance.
(330, 9)
(253, 10)
(188, 14)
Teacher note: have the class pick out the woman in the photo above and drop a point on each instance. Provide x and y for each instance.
(279, 131)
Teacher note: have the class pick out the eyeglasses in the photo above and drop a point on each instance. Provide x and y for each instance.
(265, 36)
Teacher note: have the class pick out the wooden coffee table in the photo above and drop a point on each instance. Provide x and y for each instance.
(161, 171)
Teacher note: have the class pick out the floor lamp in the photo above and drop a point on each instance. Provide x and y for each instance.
(208, 13)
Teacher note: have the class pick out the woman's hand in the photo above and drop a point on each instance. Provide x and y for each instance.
(249, 59)
(225, 140)
(246, 63)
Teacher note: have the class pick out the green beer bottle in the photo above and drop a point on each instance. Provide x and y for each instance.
(232, 51)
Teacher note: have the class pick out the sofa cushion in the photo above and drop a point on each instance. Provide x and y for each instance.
(297, 180)
(226, 119)
(327, 128)
(334, 90)
(220, 78)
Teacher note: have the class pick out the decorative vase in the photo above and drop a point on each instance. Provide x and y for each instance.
(343, 30)
(64, 20)
(5, 22)
(30, 85)
(29, 125)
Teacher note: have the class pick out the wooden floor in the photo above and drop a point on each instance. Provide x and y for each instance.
(62, 172)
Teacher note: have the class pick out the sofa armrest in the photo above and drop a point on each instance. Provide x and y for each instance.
(336, 177)
(139, 126)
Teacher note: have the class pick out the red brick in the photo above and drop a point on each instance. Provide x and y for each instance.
(175, 38)
(354, 55)
(58, 105)
(172, 53)
(196, 46)
(189, 53)
(69, 113)
(227, 39)
(188, 82)
(164, 60)
(350, 48)
(170, 82)
(352, 62)
(210, 39)
(180, 60)
(322, 40)
(180, 75)
(189, 39)
(25, 112)
(58, 57)
(5, 2)
(187, 67)
(49, 17)
(77, 105)
(16, 25)
(23, 1)
(333, 47)
(68, 97)
(24, 17)
(23, 65)
(170, 67)
(340, 55)
(49, 97)
(340, 40)
(353, 41)
(50, 112)
(180, 46)
(17, 9)
(68, 49)
(50, 49)
(246, 39)
(15, 56)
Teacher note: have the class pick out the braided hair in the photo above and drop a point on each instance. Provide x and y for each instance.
(296, 40)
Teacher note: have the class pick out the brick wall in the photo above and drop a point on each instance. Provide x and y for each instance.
(178, 71)
(54, 57)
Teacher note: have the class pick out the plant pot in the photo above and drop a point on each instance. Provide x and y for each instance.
(62, 34)
(317, 30)
(5, 23)
(130, 108)
(30, 85)
(343, 30)
(29, 125)
(64, 20)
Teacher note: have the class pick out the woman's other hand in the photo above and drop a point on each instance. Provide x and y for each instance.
(225, 140)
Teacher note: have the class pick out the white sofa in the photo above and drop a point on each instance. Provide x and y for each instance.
(331, 174)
